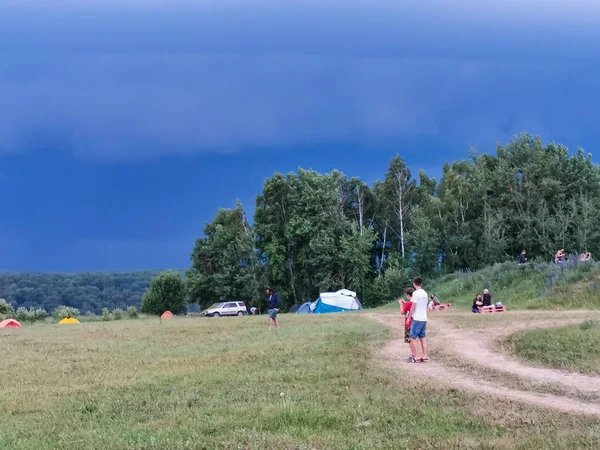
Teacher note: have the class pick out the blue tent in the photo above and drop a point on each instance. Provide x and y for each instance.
(304, 309)
(329, 302)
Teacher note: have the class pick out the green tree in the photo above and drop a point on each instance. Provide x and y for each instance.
(457, 213)
(493, 244)
(225, 263)
(398, 194)
(167, 293)
(315, 231)
(6, 310)
(424, 243)
(390, 284)
(585, 214)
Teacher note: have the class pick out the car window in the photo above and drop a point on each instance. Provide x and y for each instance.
(229, 305)
(215, 305)
(241, 304)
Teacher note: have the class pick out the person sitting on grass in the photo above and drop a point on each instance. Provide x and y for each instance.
(487, 298)
(405, 306)
(477, 303)
(433, 301)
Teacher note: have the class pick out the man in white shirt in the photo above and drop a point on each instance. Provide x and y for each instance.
(418, 312)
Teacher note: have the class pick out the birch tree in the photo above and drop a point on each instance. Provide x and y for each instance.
(399, 194)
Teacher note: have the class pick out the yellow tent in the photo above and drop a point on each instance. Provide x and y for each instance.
(68, 320)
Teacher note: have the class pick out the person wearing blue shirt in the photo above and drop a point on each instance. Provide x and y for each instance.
(274, 306)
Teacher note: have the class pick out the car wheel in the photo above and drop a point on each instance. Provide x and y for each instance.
(240, 313)
(216, 315)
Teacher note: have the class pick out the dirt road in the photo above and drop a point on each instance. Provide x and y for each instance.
(458, 353)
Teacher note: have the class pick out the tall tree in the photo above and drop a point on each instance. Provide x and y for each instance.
(398, 193)
(424, 243)
(225, 265)
(319, 226)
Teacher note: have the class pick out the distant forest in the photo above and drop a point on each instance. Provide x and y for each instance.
(84, 291)
(315, 232)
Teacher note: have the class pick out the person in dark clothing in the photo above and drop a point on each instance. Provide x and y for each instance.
(477, 303)
(487, 298)
(523, 257)
(274, 306)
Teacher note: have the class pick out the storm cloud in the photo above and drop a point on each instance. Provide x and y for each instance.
(140, 79)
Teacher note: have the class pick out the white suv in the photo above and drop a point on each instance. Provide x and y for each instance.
(226, 309)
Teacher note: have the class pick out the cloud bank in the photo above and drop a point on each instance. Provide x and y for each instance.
(138, 79)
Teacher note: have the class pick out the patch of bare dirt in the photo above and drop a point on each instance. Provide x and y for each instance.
(474, 346)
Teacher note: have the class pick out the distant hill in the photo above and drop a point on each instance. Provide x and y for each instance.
(84, 291)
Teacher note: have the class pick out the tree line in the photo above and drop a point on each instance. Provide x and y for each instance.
(317, 232)
(87, 292)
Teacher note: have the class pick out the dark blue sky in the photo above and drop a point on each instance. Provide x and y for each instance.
(125, 125)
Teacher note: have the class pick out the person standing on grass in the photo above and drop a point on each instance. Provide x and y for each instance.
(523, 257)
(274, 306)
(418, 313)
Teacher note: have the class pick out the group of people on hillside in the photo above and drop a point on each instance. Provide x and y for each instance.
(560, 257)
(414, 309)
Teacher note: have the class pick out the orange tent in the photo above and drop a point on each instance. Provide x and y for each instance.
(10, 323)
(167, 315)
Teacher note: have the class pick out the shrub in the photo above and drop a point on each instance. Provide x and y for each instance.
(32, 315)
(63, 312)
(6, 310)
(132, 312)
(167, 293)
(39, 314)
(23, 315)
(118, 313)
(587, 325)
(106, 315)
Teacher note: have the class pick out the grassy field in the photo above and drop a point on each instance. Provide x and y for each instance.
(198, 383)
(532, 286)
(575, 347)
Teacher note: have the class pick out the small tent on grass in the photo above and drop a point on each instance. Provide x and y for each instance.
(10, 323)
(167, 315)
(305, 308)
(68, 320)
(329, 302)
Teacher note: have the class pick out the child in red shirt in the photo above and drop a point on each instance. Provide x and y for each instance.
(405, 306)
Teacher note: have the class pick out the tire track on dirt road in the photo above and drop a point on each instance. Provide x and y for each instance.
(474, 346)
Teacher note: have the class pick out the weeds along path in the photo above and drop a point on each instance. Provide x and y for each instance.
(473, 347)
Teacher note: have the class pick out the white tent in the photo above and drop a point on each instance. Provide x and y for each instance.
(342, 300)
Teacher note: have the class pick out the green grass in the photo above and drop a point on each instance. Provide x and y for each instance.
(199, 383)
(532, 286)
(575, 347)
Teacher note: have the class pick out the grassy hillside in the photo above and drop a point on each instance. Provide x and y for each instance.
(532, 286)
(194, 383)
